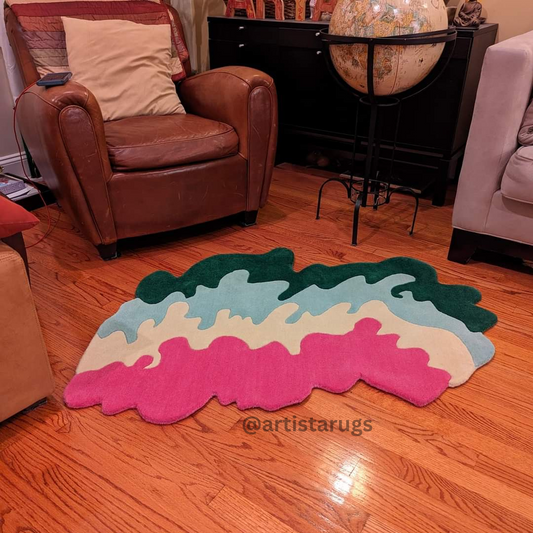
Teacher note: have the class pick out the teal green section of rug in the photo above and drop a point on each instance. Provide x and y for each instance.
(458, 301)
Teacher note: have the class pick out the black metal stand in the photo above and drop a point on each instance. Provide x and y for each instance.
(372, 183)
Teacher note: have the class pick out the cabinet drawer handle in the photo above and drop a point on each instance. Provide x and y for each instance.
(317, 34)
(318, 52)
(241, 45)
(241, 28)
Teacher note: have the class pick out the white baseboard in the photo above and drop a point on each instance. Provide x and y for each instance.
(11, 164)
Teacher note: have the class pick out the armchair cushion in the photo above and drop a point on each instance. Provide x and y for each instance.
(141, 143)
(517, 182)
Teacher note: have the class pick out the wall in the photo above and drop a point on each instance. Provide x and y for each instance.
(514, 16)
(204, 9)
(193, 15)
(8, 147)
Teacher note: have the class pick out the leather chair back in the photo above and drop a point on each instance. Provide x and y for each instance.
(24, 59)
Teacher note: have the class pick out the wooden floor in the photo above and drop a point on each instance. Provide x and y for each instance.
(464, 464)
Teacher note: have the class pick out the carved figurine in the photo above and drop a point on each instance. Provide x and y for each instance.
(470, 15)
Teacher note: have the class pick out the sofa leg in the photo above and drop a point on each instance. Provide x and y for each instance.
(462, 247)
(249, 218)
(108, 251)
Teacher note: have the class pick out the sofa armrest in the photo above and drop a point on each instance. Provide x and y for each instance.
(64, 131)
(245, 99)
(502, 99)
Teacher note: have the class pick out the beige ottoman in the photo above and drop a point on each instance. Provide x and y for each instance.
(25, 374)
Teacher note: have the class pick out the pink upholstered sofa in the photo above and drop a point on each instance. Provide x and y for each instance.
(494, 204)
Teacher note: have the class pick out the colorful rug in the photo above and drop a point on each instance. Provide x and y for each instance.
(249, 330)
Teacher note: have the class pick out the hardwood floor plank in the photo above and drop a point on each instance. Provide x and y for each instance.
(424, 453)
(244, 516)
(463, 504)
(129, 493)
(452, 439)
(24, 507)
(375, 525)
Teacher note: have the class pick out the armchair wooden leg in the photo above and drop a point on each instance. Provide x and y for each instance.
(462, 247)
(108, 251)
(249, 218)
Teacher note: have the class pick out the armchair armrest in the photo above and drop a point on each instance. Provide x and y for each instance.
(245, 99)
(64, 131)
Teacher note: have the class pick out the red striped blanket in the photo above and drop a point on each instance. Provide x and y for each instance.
(45, 36)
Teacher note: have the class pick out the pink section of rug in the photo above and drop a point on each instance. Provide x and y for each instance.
(269, 377)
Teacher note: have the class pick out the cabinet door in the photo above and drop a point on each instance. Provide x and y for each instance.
(309, 97)
(429, 119)
(261, 56)
(224, 53)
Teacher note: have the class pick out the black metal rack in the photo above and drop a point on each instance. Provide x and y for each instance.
(372, 183)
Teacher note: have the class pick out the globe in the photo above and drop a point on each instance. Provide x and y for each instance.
(396, 68)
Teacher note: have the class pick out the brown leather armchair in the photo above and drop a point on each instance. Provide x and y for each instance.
(143, 175)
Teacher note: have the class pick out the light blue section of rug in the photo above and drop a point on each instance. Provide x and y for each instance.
(258, 300)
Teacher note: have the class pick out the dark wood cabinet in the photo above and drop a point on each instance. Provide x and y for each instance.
(315, 112)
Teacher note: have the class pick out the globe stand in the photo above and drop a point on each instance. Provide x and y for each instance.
(372, 183)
